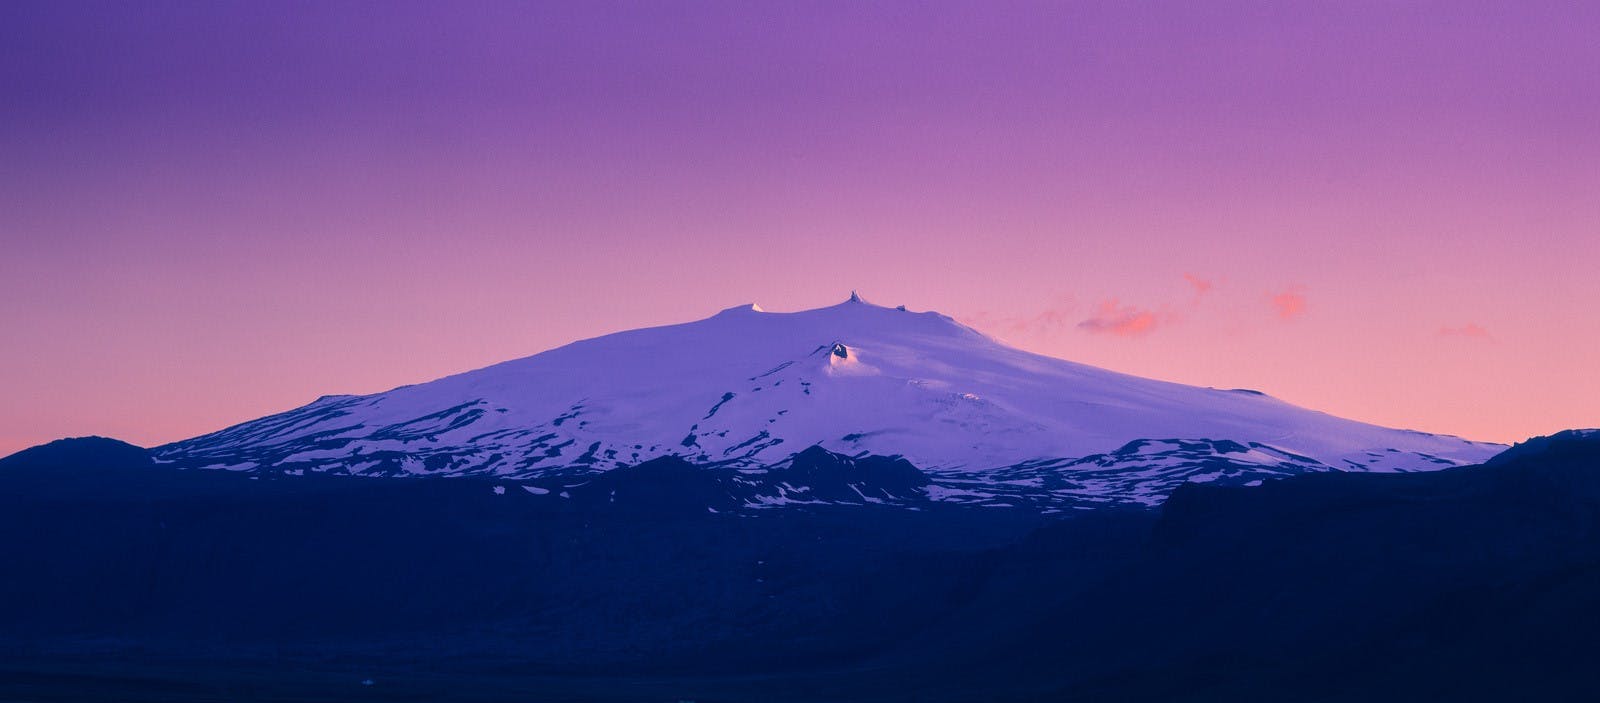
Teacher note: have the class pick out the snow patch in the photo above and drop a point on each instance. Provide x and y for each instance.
(947, 398)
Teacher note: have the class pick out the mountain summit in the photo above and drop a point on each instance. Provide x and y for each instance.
(749, 389)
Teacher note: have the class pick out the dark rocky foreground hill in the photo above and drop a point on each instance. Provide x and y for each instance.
(130, 581)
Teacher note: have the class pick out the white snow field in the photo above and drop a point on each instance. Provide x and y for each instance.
(749, 389)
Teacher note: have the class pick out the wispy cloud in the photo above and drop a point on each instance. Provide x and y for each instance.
(1290, 303)
(1471, 330)
(1053, 319)
(1111, 317)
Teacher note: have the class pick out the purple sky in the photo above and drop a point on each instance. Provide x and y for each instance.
(212, 211)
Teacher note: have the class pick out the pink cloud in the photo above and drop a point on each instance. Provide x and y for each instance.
(1200, 285)
(1471, 330)
(1121, 320)
(1290, 303)
(1048, 321)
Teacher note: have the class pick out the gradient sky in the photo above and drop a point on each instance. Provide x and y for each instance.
(212, 211)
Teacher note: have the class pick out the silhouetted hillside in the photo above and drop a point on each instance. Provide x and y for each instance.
(1479, 583)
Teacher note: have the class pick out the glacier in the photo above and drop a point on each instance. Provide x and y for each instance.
(749, 389)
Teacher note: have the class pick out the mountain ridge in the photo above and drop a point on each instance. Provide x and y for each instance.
(748, 389)
(1331, 586)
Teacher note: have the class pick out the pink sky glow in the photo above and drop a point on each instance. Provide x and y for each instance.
(210, 212)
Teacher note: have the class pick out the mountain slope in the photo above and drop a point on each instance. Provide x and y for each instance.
(1475, 583)
(749, 389)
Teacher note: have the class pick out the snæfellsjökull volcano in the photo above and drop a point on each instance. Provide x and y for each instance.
(748, 389)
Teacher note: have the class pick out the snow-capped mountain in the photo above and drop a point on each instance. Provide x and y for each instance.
(747, 389)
